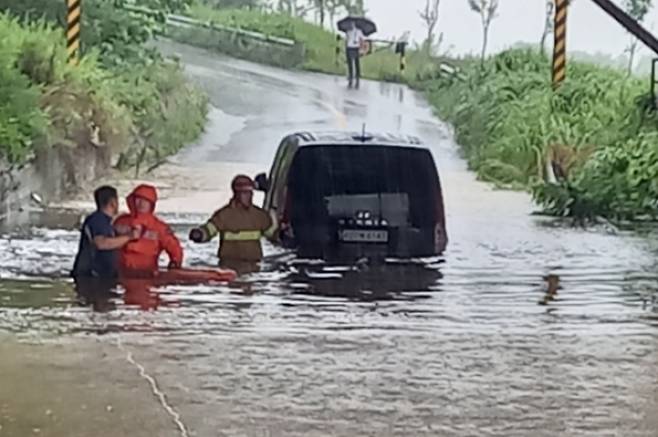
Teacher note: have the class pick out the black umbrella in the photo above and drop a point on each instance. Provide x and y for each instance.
(367, 26)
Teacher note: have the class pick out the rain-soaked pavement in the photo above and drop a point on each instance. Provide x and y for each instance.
(457, 346)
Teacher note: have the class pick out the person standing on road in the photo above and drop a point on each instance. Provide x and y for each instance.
(97, 257)
(240, 226)
(354, 41)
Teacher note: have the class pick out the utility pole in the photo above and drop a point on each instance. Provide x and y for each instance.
(560, 45)
(73, 16)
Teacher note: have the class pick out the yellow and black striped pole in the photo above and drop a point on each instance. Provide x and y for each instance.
(73, 30)
(560, 45)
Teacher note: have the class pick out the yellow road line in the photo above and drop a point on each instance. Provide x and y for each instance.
(341, 118)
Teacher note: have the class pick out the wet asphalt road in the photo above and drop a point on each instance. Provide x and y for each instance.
(457, 346)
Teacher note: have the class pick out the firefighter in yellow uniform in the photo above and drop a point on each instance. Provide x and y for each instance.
(240, 225)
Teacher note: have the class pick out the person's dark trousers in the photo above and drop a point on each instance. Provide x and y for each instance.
(353, 65)
(96, 292)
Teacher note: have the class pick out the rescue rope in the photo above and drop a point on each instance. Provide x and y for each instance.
(154, 389)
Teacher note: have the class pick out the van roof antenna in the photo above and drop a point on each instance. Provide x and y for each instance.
(364, 136)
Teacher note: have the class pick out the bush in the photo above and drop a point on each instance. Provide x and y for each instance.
(46, 101)
(21, 120)
(168, 111)
(593, 132)
(118, 35)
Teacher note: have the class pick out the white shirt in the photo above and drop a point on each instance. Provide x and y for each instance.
(354, 38)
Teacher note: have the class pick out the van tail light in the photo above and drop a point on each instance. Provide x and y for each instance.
(440, 233)
(440, 238)
(287, 212)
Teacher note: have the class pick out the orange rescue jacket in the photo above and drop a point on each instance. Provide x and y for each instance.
(142, 256)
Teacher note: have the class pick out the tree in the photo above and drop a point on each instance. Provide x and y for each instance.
(638, 9)
(322, 11)
(295, 8)
(549, 24)
(354, 7)
(430, 16)
(336, 7)
(487, 10)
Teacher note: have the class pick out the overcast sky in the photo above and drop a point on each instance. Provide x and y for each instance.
(588, 29)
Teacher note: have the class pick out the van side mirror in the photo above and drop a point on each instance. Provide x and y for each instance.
(262, 184)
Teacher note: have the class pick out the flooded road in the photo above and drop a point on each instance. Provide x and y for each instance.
(469, 344)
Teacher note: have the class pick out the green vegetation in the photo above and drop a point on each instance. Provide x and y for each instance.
(139, 104)
(38, 90)
(588, 150)
(320, 44)
(597, 133)
(118, 35)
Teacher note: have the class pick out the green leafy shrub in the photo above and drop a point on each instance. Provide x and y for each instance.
(117, 34)
(597, 129)
(168, 111)
(21, 120)
(45, 101)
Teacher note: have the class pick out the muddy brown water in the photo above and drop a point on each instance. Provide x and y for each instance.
(462, 345)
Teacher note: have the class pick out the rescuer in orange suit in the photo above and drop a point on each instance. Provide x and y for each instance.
(140, 258)
(143, 293)
(240, 226)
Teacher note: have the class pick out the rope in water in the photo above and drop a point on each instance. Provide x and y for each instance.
(155, 389)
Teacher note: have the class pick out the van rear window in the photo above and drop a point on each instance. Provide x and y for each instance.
(320, 172)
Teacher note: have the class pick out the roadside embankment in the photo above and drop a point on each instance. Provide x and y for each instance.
(63, 126)
(289, 42)
(588, 150)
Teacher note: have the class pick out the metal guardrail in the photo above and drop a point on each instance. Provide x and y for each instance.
(187, 21)
(184, 21)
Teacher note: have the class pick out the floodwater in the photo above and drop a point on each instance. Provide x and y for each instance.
(470, 344)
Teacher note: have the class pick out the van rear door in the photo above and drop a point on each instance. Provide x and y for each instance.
(390, 185)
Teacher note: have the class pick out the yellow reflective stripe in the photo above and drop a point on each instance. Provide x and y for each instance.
(242, 236)
(210, 229)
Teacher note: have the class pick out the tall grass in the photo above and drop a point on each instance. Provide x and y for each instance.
(168, 112)
(594, 132)
(33, 70)
(44, 101)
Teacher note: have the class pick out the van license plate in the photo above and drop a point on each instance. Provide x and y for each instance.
(357, 236)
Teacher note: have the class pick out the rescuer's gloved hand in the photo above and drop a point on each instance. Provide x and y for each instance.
(136, 233)
(196, 235)
(173, 265)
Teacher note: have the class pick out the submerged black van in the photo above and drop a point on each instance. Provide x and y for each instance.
(344, 195)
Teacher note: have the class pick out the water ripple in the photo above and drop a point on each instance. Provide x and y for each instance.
(474, 343)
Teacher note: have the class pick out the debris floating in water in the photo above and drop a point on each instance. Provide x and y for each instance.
(552, 287)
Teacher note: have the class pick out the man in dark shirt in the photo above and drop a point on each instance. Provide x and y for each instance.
(98, 250)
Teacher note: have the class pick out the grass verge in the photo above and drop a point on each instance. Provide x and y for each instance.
(143, 110)
(588, 150)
